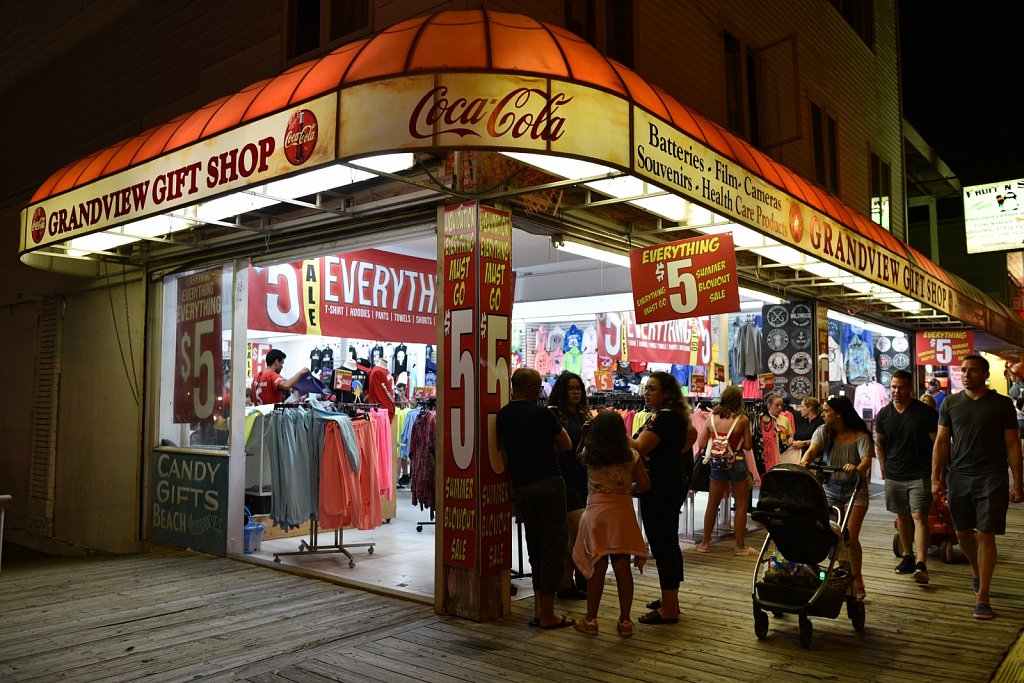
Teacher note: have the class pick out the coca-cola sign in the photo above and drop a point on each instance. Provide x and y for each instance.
(522, 112)
(38, 224)
(300, 137)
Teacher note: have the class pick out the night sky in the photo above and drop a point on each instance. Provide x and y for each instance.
(963, 87)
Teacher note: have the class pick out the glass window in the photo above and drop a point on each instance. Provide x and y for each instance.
(195, 359)
(825, 149)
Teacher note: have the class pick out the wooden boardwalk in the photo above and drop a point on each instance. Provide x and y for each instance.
(176, 615)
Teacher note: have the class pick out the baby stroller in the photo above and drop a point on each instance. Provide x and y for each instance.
(813, 578)
(942, 535)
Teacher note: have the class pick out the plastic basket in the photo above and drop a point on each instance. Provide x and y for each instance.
(252, 533)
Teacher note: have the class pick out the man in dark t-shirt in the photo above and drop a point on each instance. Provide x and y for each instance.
(983, 427)
(530, 436)
(904, 438)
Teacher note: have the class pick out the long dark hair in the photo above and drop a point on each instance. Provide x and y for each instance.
(843, 407)
(731, 402)
(559, 397)
(675, 402)
(606, 442)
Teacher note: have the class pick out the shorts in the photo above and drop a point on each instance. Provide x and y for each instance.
(1020, 428)
(839, 494)
(737, 474)
(979, 501)
(906, 497)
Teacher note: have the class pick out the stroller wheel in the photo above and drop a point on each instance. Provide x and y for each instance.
(857, 614)
(897, 546)
(806, 632)
(760, 624)
(946, 551)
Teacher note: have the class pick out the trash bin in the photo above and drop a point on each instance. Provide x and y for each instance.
(253, 535)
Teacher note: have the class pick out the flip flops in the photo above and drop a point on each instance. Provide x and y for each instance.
(654, 604)
(566, 622)
(654, 618)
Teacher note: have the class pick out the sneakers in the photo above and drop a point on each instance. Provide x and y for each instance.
(906, 566)
(921, 573)
(983, 611)
(975, 584)
(403, 480)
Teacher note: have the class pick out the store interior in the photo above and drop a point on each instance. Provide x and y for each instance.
(556, 290)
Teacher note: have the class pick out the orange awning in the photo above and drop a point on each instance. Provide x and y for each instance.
(465, 42)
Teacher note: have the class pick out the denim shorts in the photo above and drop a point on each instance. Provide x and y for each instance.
(737, 473)
(839, 494)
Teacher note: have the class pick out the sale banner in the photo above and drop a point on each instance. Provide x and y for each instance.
(257, 357)
(477, 519)
(943, 347)
(696, 384)
(459, 520)
(368, 294)
(685, 341)
(685, 279)
(198, 364)
(496, 294)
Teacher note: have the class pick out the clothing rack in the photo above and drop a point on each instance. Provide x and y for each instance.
(420, 525)
(313, 546)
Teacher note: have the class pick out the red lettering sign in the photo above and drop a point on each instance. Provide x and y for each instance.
(198, 367)
(944, 347)
(528, 112)
(367, 294)
(685, 279)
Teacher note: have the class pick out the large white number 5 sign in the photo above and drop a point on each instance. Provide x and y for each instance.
(497, 382)
(461, 428)
(203, 362)
(943, 351)
(679, 276)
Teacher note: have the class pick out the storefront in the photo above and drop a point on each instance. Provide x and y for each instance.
(293, 215)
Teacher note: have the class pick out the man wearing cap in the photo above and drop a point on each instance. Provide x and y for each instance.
(935, 389)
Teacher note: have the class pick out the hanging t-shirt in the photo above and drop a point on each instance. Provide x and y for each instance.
(376, 353)
(542, 362)
(590, 339)
(314, 360)
(573, 339)
(555, 338)
(327, 358)
(573, 361)
(400, 362)
(556, 360)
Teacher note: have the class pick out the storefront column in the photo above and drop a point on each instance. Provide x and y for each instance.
(474, 528)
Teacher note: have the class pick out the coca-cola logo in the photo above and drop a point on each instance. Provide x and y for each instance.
(300, 137)
(38, 224)
(528, 112)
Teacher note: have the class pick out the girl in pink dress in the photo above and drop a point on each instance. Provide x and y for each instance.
(608, 527)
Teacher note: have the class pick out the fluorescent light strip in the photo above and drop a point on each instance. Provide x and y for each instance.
(874, 327)
(588, 251)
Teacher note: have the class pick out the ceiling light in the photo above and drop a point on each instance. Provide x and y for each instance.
(874, 327)
(754, 294)
(563, 243)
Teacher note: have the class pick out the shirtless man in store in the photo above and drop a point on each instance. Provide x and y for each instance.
(269, 386)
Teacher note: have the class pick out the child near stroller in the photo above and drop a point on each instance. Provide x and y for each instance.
(802, 568)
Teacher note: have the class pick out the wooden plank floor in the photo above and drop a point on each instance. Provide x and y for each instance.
(176, 615)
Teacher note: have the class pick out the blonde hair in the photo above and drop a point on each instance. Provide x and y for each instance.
(928, 399)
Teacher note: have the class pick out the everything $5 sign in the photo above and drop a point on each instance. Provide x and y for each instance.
(685, 279)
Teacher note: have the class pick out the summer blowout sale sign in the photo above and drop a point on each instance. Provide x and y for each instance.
(685, 279)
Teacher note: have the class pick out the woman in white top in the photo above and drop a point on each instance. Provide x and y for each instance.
(845, 441)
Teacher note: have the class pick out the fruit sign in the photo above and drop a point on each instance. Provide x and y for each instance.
(476, 522)
(944, 347)
(685, 279)
(198, 370)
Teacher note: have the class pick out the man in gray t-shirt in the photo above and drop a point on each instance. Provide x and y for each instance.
(983, 427)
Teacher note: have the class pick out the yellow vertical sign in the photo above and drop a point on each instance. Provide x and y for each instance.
(311, 296)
